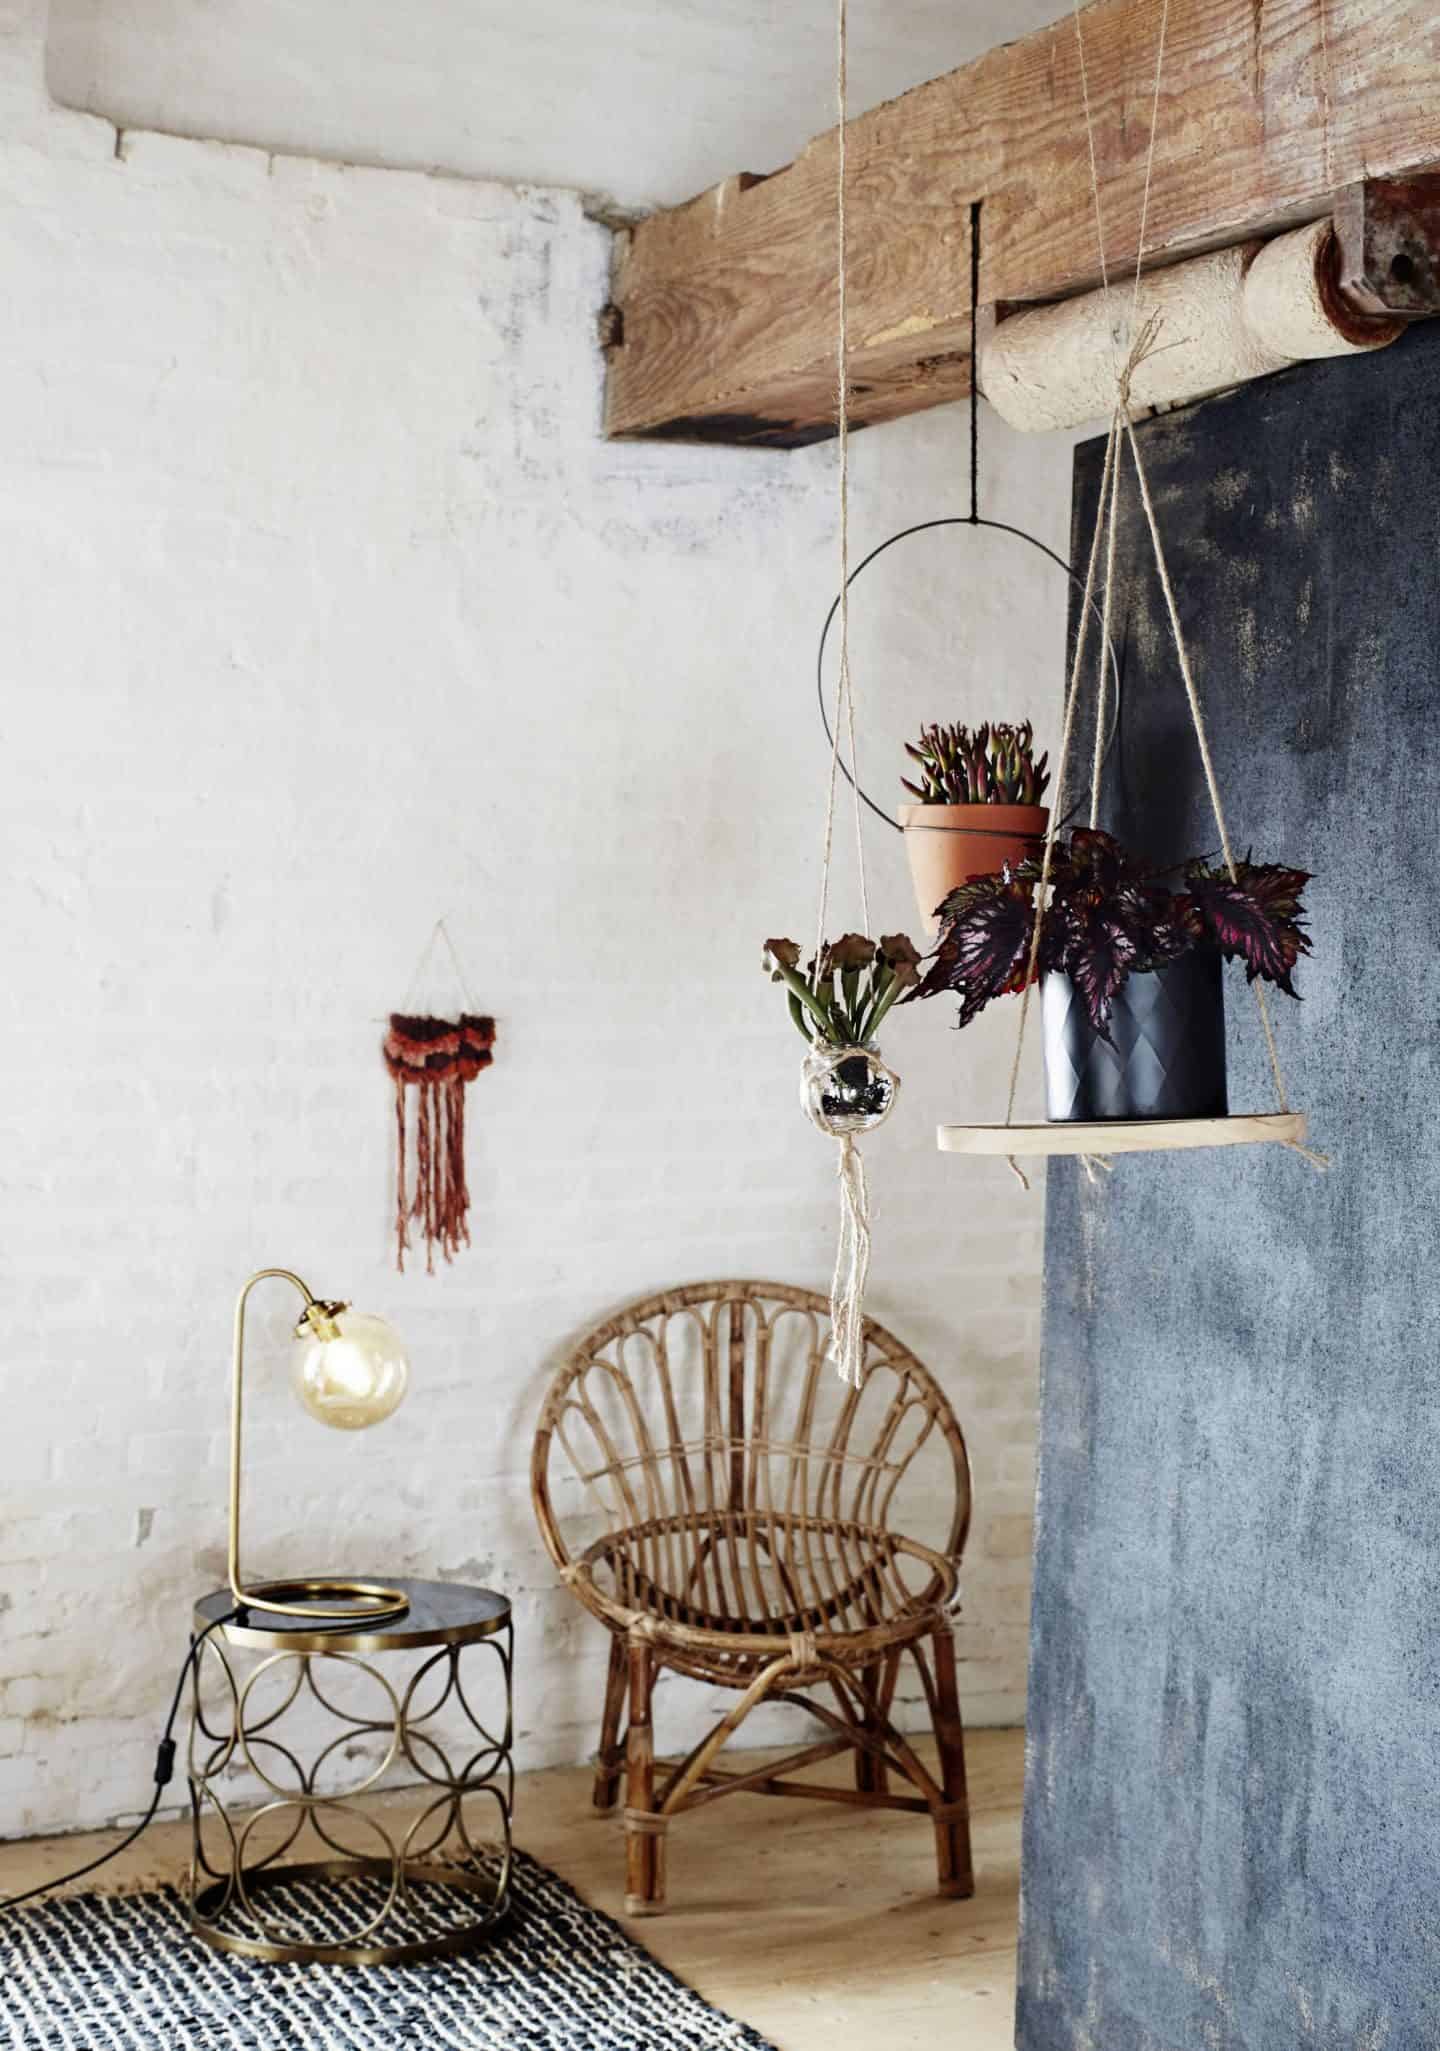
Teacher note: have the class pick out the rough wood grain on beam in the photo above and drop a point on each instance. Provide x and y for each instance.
(735, 294)
(728, 303)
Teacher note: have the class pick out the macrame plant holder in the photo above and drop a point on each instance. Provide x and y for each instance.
(432, 1061)
(845, 1090)
(1133, 343)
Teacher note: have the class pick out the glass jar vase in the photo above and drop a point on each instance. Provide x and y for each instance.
(845, 1090)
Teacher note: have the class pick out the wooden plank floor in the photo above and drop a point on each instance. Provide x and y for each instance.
(816, 1923)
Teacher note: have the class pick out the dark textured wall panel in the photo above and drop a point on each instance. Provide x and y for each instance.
(1232, 1835)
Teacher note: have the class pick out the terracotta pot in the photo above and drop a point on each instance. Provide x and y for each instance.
(948, 844)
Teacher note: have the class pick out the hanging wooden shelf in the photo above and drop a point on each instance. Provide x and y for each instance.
(1124, 1136)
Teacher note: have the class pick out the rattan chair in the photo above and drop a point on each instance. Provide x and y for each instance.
(712, 1492)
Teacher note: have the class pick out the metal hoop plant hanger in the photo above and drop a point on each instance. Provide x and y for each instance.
(974, 518)
(998, 527)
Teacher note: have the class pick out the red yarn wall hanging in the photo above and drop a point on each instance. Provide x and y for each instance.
(434, 1060)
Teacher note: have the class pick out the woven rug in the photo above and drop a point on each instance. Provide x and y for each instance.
(123, 1973)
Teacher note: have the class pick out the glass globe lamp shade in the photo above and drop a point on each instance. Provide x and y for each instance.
(348, 1367)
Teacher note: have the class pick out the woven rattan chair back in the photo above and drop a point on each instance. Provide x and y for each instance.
(712, 1492)
(728, 1481)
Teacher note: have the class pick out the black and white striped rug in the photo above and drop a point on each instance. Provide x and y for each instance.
(123, 1973)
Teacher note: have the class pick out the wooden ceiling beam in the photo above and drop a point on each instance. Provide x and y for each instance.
(722, 324)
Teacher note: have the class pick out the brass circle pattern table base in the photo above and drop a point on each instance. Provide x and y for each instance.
(301, 1885)
(310, 1876)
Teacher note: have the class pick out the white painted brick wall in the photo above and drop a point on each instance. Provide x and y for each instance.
(326, 610)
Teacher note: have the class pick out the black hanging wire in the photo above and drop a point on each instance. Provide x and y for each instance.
(975, 206)
(971, 519)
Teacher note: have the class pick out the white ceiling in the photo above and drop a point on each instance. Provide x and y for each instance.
(644, 104)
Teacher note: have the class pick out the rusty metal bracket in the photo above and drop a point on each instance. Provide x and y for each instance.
(1389, 235)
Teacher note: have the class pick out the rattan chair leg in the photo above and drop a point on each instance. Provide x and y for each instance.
(611, 1756)
(871, 1774)
(692, 1768)
(644, 1829)
(952, 1826)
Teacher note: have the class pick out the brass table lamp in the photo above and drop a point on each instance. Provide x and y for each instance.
(349, 1370)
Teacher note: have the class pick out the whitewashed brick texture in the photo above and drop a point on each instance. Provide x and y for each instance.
(326, 610)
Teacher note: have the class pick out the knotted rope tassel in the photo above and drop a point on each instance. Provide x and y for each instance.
(852, 1266)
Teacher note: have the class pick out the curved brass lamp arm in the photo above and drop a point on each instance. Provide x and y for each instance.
(361, 1599)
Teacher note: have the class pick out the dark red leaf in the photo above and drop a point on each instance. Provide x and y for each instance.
(984, 943)
(1110, 916)
(1098, 860)
(1097, 963)
(1257, 918)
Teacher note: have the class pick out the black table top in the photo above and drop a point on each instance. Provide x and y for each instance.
(440, 1613)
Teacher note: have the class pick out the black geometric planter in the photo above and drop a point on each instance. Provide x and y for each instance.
(1168, 1057)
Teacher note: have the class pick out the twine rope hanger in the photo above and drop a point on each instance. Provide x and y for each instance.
(439, 931)
(852, 1254)
(846, 696)
(1144, 341)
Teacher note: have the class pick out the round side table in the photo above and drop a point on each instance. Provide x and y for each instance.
(308, 1718)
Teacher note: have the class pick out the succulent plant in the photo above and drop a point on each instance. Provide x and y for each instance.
(1110, 917)
(993, 766)
(842, 999)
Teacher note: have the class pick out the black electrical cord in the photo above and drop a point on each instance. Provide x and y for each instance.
(164, 1774)
(164, 1753)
